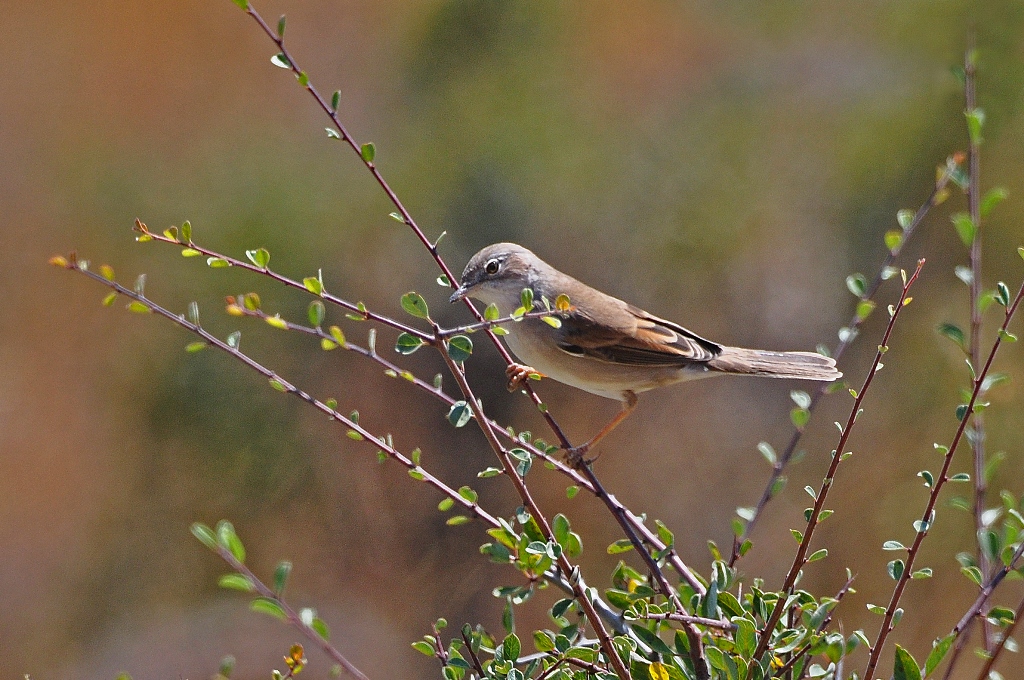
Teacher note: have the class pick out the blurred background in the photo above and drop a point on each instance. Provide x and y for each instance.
(725, 165)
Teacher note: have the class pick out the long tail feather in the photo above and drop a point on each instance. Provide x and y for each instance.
(796, 365)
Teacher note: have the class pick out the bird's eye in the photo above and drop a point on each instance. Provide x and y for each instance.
(492, 266)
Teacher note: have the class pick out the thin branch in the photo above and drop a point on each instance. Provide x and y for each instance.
(974, 338)
(963, 625)
(353, 308)
(937, 196)
(824, 624)
(574, 575)
(800, 559)
(290, 614)
(940, 481)
(685, 618)
(994, 654)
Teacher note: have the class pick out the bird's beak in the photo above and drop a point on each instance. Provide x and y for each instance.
(459, 293)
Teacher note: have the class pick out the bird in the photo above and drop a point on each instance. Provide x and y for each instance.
(604, 345)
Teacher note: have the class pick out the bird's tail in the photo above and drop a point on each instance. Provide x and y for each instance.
(795, 365)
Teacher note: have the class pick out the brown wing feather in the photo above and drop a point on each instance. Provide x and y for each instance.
(635, 338)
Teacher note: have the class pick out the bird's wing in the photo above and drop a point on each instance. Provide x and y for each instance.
(634, 337)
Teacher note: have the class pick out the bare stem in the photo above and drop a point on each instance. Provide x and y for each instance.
(291, 615)
(508, 465)
(800, 559)
(998, 650)
(963, 625)
(974, 339)
(940, 481)
(937, 196)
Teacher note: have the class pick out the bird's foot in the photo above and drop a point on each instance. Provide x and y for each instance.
(517, 374)
(576, 457)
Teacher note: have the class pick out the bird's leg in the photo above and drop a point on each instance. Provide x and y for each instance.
(518, 373)
(575, 455)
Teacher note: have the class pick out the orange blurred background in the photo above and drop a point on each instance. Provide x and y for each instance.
(725, 165)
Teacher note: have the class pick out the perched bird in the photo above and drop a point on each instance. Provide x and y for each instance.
(606, 346)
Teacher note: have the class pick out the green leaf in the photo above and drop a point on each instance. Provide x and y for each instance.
(217, 262)
(277, 322)
(552, 321)
(227, 538)
(244, 4)
(318, 625)
(895, 569)
(1002, 294)
(542, 642)
(857, 284)
(800, 417)
(491, 312)
(893, 545)
(196, 346)
(335, 100)
(233, 339)
(236, 582)
(259, 257)
(280, 61)
(316, 313)
(423, 648)
(460, 348)
(864, 309)
(991, 199)
(368, 152)
(407, 344)
(954, 333)
(818, 555)
(924, 572)
(280, 27)
(620, 546)
(1007, 335)
(109, 299)
(893, 240)
(456, 520)
(511, 647)
(332, 133)
(313, 285)
(414, 304)
(905, 668)
(139, 308)
(905, 218)
(265, 605)
(800, 398)
(204, 534)
(939, 648)
(468, 494)
(460, 414)
(975, 120)
(964, 227)
(338, 336)
(768, 452)
(973, 573)
(281, 573)
(526, 299)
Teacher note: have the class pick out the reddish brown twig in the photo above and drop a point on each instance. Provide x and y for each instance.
(940, 481)
(800, 559)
